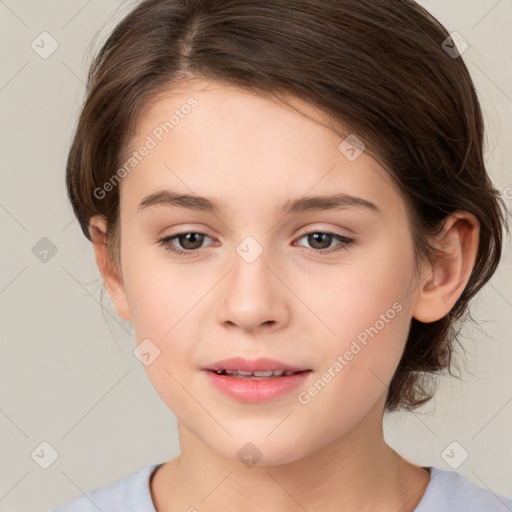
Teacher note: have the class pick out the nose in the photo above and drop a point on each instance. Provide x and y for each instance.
(254, 296)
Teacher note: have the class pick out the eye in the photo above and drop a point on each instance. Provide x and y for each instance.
(321, 241)
(190, 241)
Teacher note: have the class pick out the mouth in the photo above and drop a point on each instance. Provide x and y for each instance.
(241, 367)
(255, 380)
(261, 375)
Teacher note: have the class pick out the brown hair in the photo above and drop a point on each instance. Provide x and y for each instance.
(378, 68)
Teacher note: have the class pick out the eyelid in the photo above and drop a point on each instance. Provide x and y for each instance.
(344, 243)
(324, 229)
(302, 232)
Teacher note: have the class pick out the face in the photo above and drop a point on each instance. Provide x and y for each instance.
(325, 288)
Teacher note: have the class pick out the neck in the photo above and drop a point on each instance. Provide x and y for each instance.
(357, 472)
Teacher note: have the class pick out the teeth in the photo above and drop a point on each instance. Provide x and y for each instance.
(267, 373)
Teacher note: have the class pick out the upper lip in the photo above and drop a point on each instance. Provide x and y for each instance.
(252, 365)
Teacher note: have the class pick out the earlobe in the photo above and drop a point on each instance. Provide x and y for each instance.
(443, 284)
(110, 273)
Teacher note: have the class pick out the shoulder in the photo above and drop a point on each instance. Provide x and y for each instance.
(130, 494)
(451, 492)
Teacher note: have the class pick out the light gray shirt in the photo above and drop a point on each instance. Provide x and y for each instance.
(447, 492)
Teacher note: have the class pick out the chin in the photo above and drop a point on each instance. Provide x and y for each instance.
(256, 450)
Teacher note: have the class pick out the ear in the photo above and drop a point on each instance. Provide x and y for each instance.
(442, 285)
(111, 274)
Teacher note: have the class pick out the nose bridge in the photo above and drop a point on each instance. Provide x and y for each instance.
(251, 263)
(253, 295)
(252, 278)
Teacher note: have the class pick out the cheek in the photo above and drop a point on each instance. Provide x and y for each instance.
(367, 307)
(159, 293)
(162, 305)
(167, 306)
(369, 292)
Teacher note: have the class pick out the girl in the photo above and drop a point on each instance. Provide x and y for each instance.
(289, 202)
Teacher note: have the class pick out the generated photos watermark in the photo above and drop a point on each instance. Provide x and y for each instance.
(152, 141)
(357, 345)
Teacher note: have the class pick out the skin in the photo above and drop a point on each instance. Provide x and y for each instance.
(304, 308)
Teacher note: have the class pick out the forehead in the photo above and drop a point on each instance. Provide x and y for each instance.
(226, 142)
(220, 111)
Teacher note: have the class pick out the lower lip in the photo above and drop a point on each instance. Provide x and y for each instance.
(249, 390)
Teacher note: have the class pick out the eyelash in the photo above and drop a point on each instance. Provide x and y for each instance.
(346, 242)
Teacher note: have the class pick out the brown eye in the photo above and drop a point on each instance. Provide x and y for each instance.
(187, 243)
(320, 242)
(190, 240)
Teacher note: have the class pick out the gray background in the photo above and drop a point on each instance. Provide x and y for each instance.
(69, 377)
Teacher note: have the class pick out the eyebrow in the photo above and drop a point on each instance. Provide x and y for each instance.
(302, 204)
